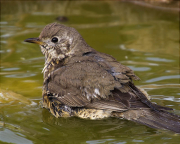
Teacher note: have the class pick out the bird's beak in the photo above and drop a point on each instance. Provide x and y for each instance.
(34, 40)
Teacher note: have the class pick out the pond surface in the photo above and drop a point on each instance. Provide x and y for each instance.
(144, 39)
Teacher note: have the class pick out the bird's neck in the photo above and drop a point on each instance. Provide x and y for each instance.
(52, 63)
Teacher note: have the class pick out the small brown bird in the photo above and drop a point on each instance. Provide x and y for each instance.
(79, 81)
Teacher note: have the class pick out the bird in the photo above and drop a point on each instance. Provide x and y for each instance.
(80, 81)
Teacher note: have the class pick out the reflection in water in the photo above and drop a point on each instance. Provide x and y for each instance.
(146, 40)
(10, 69)
(21, 75)
(158, 59)
(163, 78)
(11, 137)
(139, 68)
(91, 130)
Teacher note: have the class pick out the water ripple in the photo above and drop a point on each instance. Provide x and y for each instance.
(21, 75)
(163, 78)
(158, 59)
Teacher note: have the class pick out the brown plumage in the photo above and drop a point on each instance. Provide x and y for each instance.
(79, 81)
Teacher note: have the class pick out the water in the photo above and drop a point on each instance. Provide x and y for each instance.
(144, 39)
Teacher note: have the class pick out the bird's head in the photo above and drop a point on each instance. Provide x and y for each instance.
(57, 41)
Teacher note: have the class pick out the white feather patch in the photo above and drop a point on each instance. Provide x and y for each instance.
(96, 90)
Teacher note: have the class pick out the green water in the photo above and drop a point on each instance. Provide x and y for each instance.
(144, 39)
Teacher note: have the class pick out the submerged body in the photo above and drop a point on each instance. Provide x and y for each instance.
(79, 81)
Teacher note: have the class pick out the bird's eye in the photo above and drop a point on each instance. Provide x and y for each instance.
(54, 39)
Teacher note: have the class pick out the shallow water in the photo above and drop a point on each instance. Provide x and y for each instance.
(144, 39)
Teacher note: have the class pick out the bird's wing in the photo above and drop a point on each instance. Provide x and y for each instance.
(95, 82)
(83, 83)
(124, 75)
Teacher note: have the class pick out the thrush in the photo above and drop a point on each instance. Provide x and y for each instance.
(79, 81)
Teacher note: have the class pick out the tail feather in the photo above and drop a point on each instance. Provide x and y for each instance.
(153, 119)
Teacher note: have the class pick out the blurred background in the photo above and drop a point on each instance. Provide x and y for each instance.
(143, 35)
